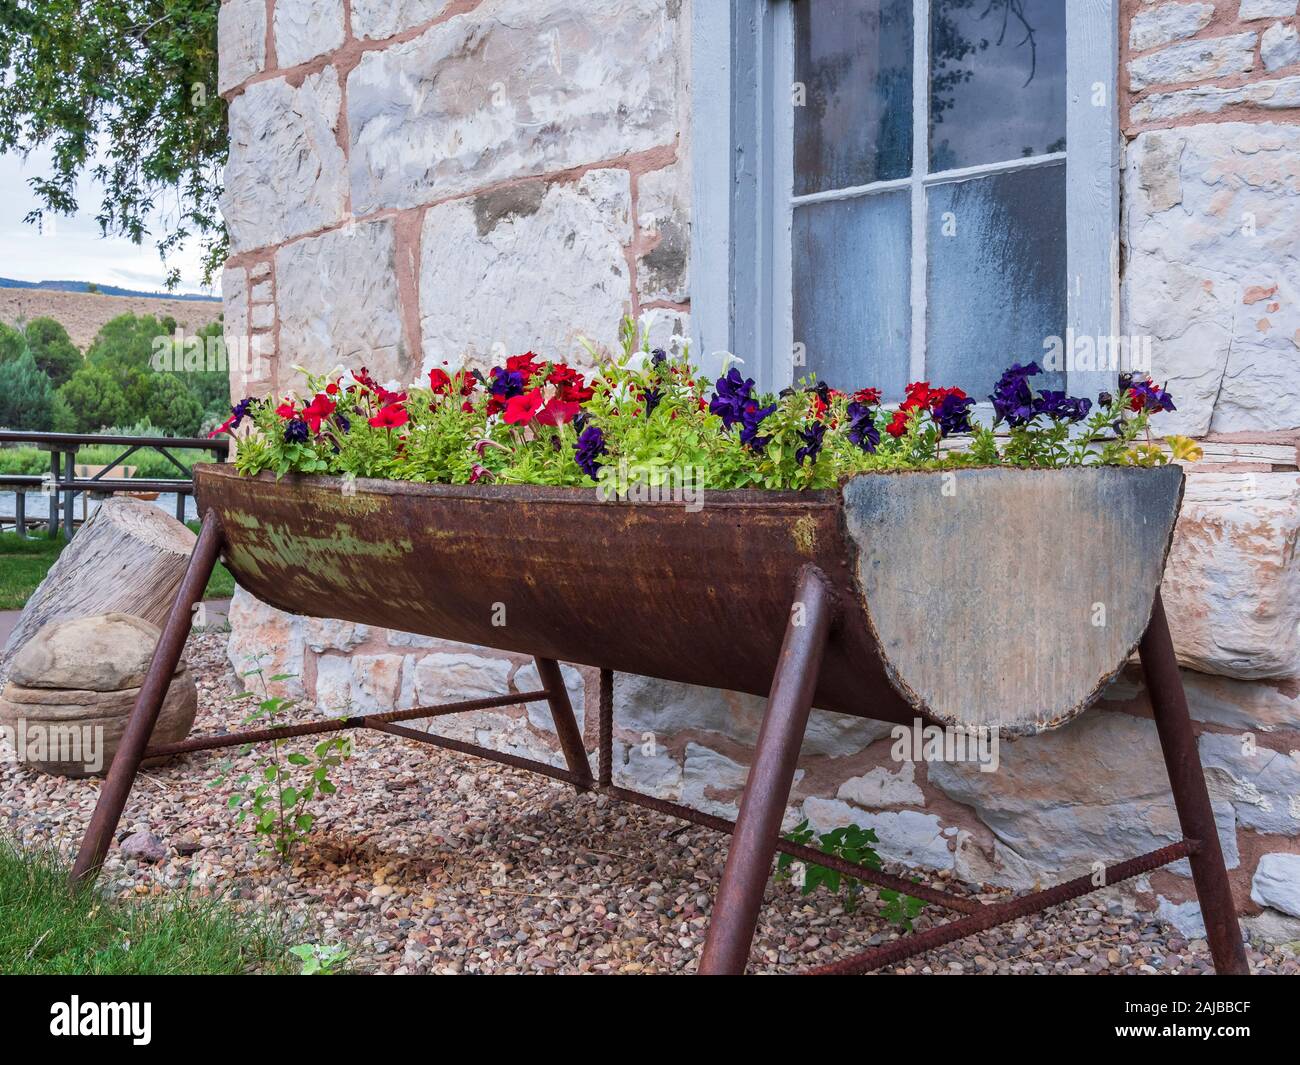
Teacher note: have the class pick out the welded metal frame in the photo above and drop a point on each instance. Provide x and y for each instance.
(756, 833)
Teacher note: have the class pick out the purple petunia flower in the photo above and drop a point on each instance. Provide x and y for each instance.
(1149, 396)
(732, 395)
(1013, 399)
(341, 420)
(240, 411)
(658, 357)
(952, 415)
(296, 431)
(1061, 407)
(862, 427)
(653, 397)
(812, 438)
(506, 384)
(590, 446)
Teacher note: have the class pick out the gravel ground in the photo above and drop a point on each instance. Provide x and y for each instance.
(429, 862)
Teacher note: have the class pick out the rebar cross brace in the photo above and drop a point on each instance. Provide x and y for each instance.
(756, 833)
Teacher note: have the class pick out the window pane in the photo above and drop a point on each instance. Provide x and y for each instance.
(997, 281)
(852, 300)
(997, 81)
(854, 59)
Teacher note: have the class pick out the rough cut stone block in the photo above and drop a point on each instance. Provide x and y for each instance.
(1257, 9)
(539, 714)
(1168, 22)
(1277, 883)
(328, 634)
(1212, 57)
(712, 782)
(305, 29)
(512, 88)
(1263, 785)
(286, 174)
(1280, 46)
(241, 42)
(1232, 584)
(663, 214)
(383, 18)
(1211, 272)
(647, 768)
(445, 678)
(910, 838)
(883, 787)
(261, 636)
(1094, 789)
(1246, 705)
(339, 303)
(1276, 94)
(491, 269)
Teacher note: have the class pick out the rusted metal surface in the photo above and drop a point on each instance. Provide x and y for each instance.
(1191, 799)
(144, 715)
(566, 725)
(771, 775)
(700, 597)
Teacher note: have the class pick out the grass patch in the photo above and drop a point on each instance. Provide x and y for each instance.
(24, 563)
(46, 930)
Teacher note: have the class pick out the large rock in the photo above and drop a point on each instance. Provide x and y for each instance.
(1212, 272)
(1232, 585)
(1277, 883)
(73, 686)
(483, 261)
(1263, 785)
(1167, 22)
(1213, 57)
(510, 89)
(383, 18)
(286, 174)
(241, 42)
(1273, 94)
(338, 301)
(305, 29)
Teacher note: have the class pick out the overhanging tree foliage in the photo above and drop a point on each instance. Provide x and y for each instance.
(126, 92)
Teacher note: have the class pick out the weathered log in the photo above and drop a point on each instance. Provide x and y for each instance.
(128, 558)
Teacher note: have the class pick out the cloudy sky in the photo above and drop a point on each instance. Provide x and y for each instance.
(71, 249)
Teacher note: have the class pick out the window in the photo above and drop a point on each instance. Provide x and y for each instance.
(918, 188)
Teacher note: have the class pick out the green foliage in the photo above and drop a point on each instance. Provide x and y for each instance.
(171, 406)
(12, 343)
(57, 356)
(281, 794)
(853, 844)
(26, 400)
(95, 398)
(321, 959)
(124, 91)
(45, 929)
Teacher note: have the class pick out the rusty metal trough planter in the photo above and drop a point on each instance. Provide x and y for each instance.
(973, 598)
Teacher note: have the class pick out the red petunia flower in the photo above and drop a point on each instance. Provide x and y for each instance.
(868, 397)
(525, 364)
(558, 411)
(522, 409)
(897, 427)
(332, 389)
(918, 396)
(286, 411)
(317, 411)
(439, 381)
(390, 417)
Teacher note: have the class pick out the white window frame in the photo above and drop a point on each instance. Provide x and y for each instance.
(742, 75)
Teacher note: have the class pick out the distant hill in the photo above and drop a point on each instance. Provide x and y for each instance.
(105, 290)
(84, 313)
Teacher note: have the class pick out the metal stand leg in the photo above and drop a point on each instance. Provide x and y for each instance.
(758, 828)
(566, 725)
(126, 762)
(1187, 780)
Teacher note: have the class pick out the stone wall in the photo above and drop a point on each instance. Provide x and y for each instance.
(413, 180)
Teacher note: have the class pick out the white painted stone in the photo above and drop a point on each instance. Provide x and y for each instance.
(286, 174)
(383, 18)
(262, 316)
(647, 768)
(539, 714)
(305, 29)
(1263, 785)
(1277, 883)
(1198, 272)
(910, 838)
(329, 634)
(408, 639)
(1232, 583)
(334, 685)
(1094, 789)
(532, 266)
(1168, 22)
(1184, 916)
(446, 678)
(1280, 46)
(1257, 9)
(513, 88)
(881, 787)
(1274, 94)
(665, 709)
(234, 327)
(241, 42)
(1212, 57)
(663, 215)
(269, 639)
(710, 780)
(261, 292)
(339, 302)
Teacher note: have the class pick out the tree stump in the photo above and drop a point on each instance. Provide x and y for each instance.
(129, 558)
